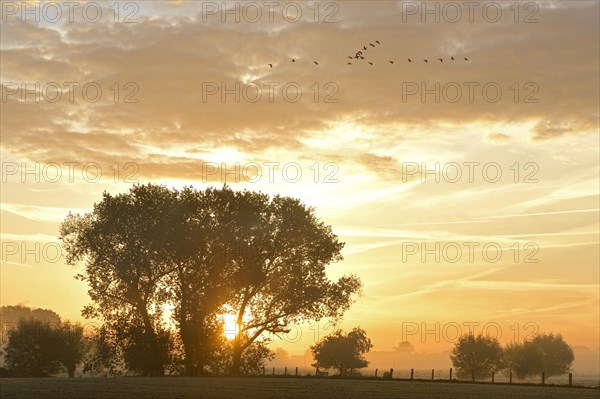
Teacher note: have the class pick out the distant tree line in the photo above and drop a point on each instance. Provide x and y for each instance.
(201, 255)
(477, 357)
(40, 344)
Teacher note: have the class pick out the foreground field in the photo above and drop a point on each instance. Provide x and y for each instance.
(183, 388)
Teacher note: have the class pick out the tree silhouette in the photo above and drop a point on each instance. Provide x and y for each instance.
(279, 270)
(201, 281)
(204, 253)
(547, 353)
(31, 351)
(405, 347)
(343, 352)
(71, 346)
(39, 349)
(476, 357)
(124, 243)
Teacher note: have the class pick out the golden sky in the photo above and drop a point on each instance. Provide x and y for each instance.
(156, 119)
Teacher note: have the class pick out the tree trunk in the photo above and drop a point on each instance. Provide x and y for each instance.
(187, 339)
(156, 367)
(71, 371)
(237, 346)
(185, 333)
(237, 358)
(188, 350)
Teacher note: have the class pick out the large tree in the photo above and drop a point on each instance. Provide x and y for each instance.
(205, 253)
(279, 269)
(126, 244)
(201, 281)
(476, 357)
(344, 352)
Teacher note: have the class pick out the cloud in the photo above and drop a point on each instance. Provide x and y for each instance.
(499, 137)
(171, 59)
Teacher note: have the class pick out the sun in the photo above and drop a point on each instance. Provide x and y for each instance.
(230, 328)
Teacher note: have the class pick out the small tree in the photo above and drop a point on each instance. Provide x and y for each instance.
(31, 350)
(546, 353)
(522, 359)
(343, 352)
(71, 347)
(557, 356)
(405, 347)
(476, 357)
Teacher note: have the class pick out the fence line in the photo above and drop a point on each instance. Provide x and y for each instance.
(412, 374)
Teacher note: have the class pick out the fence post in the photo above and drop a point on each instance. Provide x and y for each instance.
(263, 370)
(391, 373)
(570, 379)
(296, 371)
(285, 371)
(412, 372)
(473, 375)
(510, 378)
(492, 377)
(432, 371)
(450, 373)
(273, 370)
(376, 372)
(317, 372)
(543, 377)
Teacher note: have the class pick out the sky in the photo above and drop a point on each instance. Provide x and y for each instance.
(466, 190)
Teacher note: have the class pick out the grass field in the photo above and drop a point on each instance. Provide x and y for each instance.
(313, 388)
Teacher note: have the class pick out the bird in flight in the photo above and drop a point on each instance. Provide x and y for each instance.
(426, 61)
(349, 63)
(452, 58)
(440, 59)
(271, 65)
(371, 44)
(316, 63)
(466, 59)
(377, 41)
(293, 60)
(370, 63)
(391, 62)
(350, 57)
(364, 47)
(409, 60)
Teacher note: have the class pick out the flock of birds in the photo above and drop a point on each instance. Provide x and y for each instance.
(360, 55)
